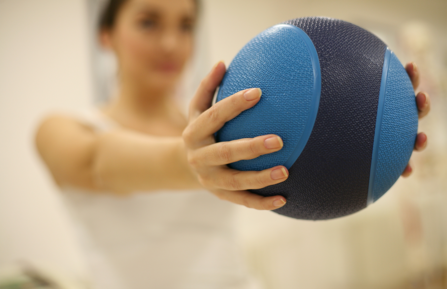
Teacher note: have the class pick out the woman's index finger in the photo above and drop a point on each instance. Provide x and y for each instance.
(205, 93)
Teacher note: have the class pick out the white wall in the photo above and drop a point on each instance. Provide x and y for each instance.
(232, 23)
(44, 65)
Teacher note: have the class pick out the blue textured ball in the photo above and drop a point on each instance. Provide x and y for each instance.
(342, 103)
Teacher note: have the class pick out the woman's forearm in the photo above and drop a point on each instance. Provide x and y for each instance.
(125, 162)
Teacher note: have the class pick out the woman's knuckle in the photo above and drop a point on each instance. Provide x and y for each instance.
(224, 153)
(234, 101)
(187, 135)
(262, 181)
(233, 182)
(213, 114)
(202, 180)
(253, 148)
(247, 202)
(217, 193)
(192, 160)
(266, 204)
(204, 82)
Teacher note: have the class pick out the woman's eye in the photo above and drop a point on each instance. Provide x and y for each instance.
(187, 27)
(148, 23)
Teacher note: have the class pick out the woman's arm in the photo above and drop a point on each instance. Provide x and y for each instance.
(119, 161)
(124, 161)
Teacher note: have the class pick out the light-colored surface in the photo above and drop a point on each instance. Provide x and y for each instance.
(45, 64)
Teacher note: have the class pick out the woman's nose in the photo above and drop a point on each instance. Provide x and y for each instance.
(169, 41)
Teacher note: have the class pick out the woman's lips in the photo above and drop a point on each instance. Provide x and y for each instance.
(168, 67)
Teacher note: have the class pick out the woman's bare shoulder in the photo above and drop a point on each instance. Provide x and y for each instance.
(57, 124)
(65, 144)
(60, 118)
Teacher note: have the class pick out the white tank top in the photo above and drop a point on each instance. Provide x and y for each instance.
(159, 239)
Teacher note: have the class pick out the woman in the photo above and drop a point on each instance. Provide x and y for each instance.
(137, 174)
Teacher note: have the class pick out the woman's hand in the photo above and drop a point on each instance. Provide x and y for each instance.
(423, 104)
(208, 159)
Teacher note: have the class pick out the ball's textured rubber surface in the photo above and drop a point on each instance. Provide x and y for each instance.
(396, 128)
(347, 160)
(282, 61)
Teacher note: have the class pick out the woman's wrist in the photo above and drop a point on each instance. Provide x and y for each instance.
(191, 177)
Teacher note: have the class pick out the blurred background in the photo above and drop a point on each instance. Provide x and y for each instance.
(49, 60)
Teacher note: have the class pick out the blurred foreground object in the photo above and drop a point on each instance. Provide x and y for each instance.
(26, 276)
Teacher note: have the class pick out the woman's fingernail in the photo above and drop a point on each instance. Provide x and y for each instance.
(423, 141)
(215, 65)
(279, 203)
(252, 94)
(279, 173)
(424, 98)
(414, 66)
(274, 142)
(421, 100)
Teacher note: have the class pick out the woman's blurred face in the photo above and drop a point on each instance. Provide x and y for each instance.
(153, 39)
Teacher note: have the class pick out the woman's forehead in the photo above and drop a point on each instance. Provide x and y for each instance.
(181, 7)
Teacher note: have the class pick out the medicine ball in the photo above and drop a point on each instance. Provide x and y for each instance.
(342, 103)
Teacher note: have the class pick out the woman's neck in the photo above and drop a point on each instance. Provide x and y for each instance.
(146, 110)
(142, 102)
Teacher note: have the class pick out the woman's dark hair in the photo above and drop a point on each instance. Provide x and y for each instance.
(110, 12)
